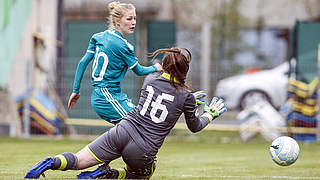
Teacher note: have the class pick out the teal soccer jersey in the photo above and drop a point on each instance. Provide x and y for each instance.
(112, 55)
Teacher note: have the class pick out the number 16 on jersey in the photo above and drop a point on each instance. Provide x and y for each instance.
(156, 105)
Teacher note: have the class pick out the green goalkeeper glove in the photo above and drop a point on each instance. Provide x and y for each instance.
(199, 96)
(215, 109)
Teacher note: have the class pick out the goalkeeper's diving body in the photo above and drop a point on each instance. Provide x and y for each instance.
(138, 137)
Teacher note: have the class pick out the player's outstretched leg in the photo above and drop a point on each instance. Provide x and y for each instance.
(40, 168)
(100, 171)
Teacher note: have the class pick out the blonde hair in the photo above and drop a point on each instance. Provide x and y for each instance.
(116, 11)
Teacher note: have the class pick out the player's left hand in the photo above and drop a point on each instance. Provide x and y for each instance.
(216, 108)
(199, 96)
(158, 66)
(73, 100)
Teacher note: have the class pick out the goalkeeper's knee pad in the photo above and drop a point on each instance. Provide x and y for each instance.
(145, 173)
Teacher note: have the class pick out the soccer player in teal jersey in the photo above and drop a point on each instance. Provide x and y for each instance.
(112, 56)
(139, 136)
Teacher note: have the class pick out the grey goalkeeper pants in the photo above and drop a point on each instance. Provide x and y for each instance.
(117, 143)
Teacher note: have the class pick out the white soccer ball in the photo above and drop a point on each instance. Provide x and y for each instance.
(284, 151)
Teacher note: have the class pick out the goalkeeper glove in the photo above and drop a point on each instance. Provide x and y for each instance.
(199, 96)
(215, 109)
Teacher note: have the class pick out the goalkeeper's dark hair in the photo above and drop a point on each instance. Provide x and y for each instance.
(176, 63)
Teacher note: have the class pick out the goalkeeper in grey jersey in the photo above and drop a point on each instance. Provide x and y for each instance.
(139, 136)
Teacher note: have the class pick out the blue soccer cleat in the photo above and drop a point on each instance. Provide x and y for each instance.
(39, 168)
(101, 170)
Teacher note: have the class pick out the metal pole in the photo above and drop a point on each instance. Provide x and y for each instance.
(318, 115)
(205, 57)
(26, 112)
(221, 49)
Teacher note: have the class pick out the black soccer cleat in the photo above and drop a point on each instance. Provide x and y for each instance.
(100, 171)
(40, 168)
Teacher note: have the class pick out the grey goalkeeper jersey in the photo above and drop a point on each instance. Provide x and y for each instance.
(160, 106)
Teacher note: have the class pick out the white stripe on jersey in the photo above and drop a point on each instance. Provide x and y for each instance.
(112, 102)
(116, 105)
(115, 34)
(89, 51)
(117, 102)
(134, 65)
(110, 99)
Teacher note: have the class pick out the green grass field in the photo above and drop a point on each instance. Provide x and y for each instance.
(205, 155)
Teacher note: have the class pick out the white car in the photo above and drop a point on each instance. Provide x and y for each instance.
(240, 91)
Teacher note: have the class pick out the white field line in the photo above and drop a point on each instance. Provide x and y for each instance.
(217, 127)
(246, 177)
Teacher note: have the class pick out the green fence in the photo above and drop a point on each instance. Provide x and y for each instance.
(161, 34)
(307, 42)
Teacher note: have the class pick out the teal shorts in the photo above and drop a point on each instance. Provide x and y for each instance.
(110, 103)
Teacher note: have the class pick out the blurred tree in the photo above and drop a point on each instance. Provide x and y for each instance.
(226, 23)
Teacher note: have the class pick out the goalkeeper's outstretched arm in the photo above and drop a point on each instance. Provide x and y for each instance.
(211, 111)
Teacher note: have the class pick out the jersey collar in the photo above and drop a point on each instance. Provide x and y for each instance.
(117, 32)
(167, 76)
